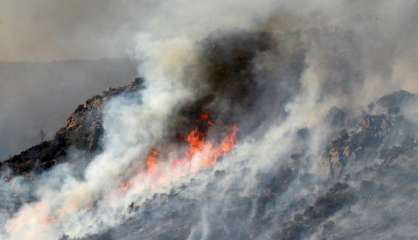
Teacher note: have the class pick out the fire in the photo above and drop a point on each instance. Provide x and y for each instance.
(208, 152)
(196, 143)
(152, 161)
(163, 167)
(206, 118)
(200, 153)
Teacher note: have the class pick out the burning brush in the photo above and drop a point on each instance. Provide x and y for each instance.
(199, 151)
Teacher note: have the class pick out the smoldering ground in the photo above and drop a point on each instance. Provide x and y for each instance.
(287, 77)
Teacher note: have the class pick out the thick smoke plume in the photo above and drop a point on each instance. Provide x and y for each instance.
(272, 68)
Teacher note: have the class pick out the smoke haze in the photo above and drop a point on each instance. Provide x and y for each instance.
(276, 70)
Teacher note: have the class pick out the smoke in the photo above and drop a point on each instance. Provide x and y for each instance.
(273, 68)
(40, 96)
(143, 124)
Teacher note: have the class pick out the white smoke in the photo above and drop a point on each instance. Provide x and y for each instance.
(132, 124)
(78, 206)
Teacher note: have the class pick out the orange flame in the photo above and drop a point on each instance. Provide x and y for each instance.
(152, 161)
(196, 143)
(200, 153)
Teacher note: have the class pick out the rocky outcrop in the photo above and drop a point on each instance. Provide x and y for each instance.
(82, 131)
(373, 135)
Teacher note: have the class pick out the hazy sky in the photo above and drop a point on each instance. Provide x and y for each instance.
(56, 29)
(42, 95)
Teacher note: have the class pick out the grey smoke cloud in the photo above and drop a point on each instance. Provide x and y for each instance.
(354, 54)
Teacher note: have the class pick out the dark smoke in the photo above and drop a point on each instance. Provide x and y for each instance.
(322, 153)
(238, 86)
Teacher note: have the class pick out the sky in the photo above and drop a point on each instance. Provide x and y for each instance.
(43, 75)
(46, 30)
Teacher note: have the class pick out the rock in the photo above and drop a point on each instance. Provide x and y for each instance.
(82, 131)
